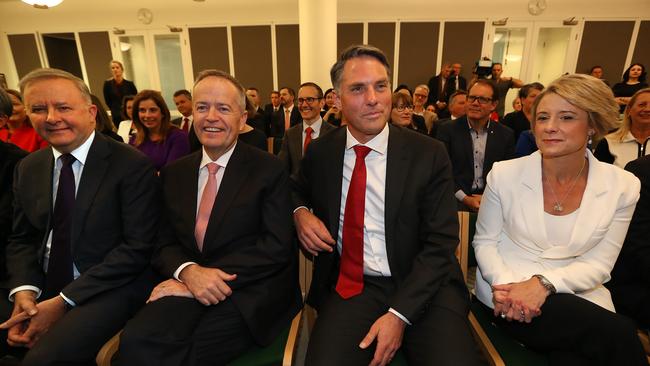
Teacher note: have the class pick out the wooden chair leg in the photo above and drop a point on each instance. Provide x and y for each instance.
(292, 340)
(107, 351)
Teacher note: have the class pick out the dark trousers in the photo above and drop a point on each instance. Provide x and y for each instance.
(574, 331)
(633, 300)
(441, 336)
(182, 331)
(77, 337)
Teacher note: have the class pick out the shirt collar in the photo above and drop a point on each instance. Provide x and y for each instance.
(290, 108)
(378, 143)
(80, 153)
(222, 161)
(314, 126)
(487, 126)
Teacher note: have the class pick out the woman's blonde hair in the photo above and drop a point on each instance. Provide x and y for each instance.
(626, 126)
(589, 94)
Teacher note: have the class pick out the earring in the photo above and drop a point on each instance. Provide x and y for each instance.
(590, 140)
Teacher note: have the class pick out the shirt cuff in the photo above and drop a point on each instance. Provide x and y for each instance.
(400, 316)
(23, 288)
(299, 207)
(181, 268)
(72, 303)
(460, 195)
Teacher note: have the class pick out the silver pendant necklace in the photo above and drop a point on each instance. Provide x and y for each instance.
(557, 206)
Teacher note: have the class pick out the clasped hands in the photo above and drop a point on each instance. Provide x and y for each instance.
(519, 301)
(31, 320)
(207, 285)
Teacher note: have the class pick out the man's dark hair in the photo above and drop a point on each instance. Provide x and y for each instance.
(353, 52)
(184, 92)
(6, 107)
(319, 90)
(525, 90)
(289, 90)
(594, 68)
(489, 84)
(455, 94)
(252, 88)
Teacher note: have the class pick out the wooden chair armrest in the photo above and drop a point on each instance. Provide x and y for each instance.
(487, 348)
(107, 351)
(292, 340)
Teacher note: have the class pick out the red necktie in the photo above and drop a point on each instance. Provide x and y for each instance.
(206, 204)
(308, 132)
(186, 124)
(350, 282)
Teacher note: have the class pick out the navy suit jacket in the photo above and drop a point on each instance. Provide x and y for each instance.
(455, 135)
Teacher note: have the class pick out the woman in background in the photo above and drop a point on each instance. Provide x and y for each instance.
(19, 130)
(402, 113)
(103, 122)
(126, 127)
(156, 137)
(333, 113)
(550, 228)
(116, 88)
(634, 79)
(630, 141)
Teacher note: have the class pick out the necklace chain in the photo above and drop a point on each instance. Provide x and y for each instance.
(557, 207)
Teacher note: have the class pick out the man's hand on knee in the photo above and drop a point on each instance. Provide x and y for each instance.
(24, 308)
(49, 312)
(207, 285)
(389, 331)
(170, 287)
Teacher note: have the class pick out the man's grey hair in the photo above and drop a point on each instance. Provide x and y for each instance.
(336, 73)
(224, 75)
(48, 74)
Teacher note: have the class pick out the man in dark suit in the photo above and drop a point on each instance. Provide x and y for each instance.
(456, 110)
(455, 81)
(183, 101)
(298, 137)
(228, 254)
(85, 215)
(436, 86)
(630, 284)
(286, 117)
(383, 232)
(474, 143)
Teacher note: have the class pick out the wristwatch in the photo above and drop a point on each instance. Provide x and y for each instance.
(546, 283)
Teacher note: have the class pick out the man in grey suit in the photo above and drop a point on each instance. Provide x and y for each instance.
(298, 137)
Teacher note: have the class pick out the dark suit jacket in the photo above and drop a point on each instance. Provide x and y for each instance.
(277, 126)
(249, 234)
(630, 282)
(258, 120)
(500, 146)
(268, 115)
(436, 91)
(450, 86)
(114, 222)
(195, 144)
(291, 150)
(421, 223)
(10, 155)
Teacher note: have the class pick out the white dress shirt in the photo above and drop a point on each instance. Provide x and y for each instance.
(80, 154)
(222, 161)
(375, 257)
(315, 130)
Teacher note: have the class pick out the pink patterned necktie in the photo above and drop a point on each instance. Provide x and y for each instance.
(205, 207)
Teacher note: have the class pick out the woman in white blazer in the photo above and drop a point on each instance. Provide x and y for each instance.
(550, 228)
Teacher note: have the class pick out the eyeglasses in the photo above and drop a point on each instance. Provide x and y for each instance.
(402, 108)
(481, 100)
(309, 100)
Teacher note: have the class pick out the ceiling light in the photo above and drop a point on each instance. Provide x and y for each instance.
(43, 4)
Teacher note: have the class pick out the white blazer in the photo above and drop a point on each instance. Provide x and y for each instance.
(511, 243)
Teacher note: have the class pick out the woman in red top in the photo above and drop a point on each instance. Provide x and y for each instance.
(19, 130)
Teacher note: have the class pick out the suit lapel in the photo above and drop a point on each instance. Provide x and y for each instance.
(232, 182)
(295, 144)
(462, 128)
(532, 201)
(334, 165)
(396, 174)
(188, 189)
(43, 192)
(92, 176)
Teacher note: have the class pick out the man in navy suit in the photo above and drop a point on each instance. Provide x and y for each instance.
(225, 245)
(383, 233)
(474, 143)
(85, 216)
